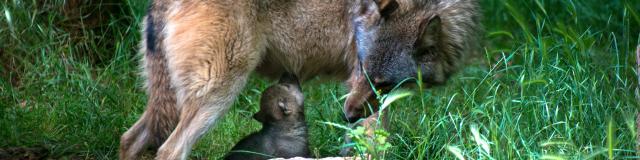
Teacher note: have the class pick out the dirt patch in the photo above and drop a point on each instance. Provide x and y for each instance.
(23, 153)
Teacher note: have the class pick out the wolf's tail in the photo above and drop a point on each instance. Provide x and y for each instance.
(161, 115)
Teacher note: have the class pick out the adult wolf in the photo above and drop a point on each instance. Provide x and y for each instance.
(199, 53)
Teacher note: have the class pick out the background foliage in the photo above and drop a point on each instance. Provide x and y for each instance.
(556, 80)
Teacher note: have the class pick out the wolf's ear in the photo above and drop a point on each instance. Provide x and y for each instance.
(431, 32)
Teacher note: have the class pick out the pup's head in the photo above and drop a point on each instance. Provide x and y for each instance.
(394, 39)
(282, 102)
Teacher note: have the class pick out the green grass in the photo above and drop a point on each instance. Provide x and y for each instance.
(555, 80)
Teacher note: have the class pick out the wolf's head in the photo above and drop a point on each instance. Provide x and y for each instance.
(396, 39)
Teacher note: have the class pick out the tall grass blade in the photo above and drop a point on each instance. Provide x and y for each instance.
(456, 152)
(610, 139)
(394, 96)
(480, 140)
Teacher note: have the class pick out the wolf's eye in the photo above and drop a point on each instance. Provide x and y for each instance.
(422, 51)
(389, 8)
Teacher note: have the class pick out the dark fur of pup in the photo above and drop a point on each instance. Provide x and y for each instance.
(284, 131)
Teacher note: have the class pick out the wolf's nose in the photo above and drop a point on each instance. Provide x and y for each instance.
(352, 117)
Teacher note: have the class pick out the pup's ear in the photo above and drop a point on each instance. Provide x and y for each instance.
(285, 109)
(260, 117)
(432, 32)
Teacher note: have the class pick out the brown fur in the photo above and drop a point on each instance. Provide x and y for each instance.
(198, 55)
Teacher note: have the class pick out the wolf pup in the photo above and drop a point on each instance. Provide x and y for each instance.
(284, 131)
(198, 55)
